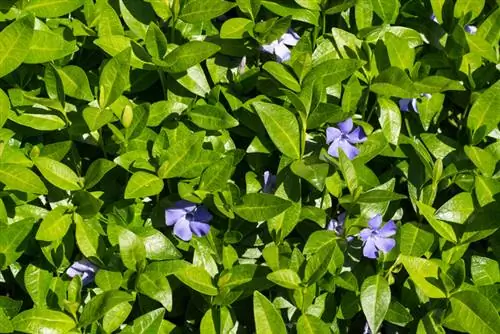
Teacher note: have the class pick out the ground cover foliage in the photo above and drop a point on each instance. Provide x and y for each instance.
(248, 166)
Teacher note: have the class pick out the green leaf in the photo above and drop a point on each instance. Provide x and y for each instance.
(108, 280)
(195, 11)
(424, 273)
(314, 173)
(156, 42)
(155, 285)
(211, 117)
(96, 171)
(5, 323)
(15, 41)
(485, 271)
(99, 305)
(317, 264)
(55, 225)
(21, 178)
(267, 318)
(484, 116)
(437, 84)
(114, 318)
(97, 118)
(4, 107)
(132, 250)
(189, 54)
(88, 237)
(38, 121)
(52, 8)
(349, 172)
(234, 28)
(474, 312)
(37, 282)
(75, 82)
(180, 155)
(40, 320)
(13, 239)
(486, 188)
(143, 184)
(483, 159)
(398, 314)
(58, 173)
(217, 320)
(378, 196)
(261, 207)
(415, 239)
(442, 228)
(114, 79)
(457, 209)
(158, 246)
(282, 126)
(400, 55)
(48, 46)
(282, 75)
(390, 120)
(463, 7)
(375, 300)
(286, 278)
(147, 323)
(393, 82)
(308, 324)
(387, 10)
(198, 279)
(215, 177)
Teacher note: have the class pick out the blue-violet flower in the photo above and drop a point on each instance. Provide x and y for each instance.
(269, 182)
(406, 105)
(337, 225)
(279, 47)
(377, 238)
(470, 29)
(83, 268)
(188, 218)
(344, 137)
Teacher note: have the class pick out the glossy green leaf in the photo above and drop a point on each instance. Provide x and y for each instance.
(55, 225)
(260, 207)
(474, 312)
(48, 46)
(189, 54)
(58, 173)
(267, 318)
(457, 209)
(375, 300)
(15, 41)
(211, 118)
(483, 116)
(390, 120)
(154, 285)
(309, 324)
(195, 11)
(97, 307)
(52, 8)
(114, 79)
(198, 279)
(42, 321)
(415, 239)
(21, 178)
(282, 126)
(286, 278)
(143, 184)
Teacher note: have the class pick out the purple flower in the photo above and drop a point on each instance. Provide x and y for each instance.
(470, 29)
(83, 268)
(337, 225)
(406, 104)
(376, 238)
(434, 18)
(279, 46)
(343, 138)
(188, 218)
(269, 182)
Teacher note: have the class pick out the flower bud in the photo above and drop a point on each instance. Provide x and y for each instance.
(35, 152)
(127, 116)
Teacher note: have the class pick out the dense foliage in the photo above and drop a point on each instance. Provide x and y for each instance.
(249, 166)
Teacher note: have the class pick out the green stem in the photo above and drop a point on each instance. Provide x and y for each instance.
(163, 81)
(323, 22)
(101, 143)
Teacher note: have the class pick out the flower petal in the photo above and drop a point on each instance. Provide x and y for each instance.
(84, 265)
(332, 134)
(178, 211)
(333, 150)
(200, 229)
(341, 218)
(369, 249)
(331, 225)
(384, 244)
(201, 215)
(388, 230)
(365, 234)
(404, 104)
(375, 222)
(349, 150)
(414, 105)
(470, 29)
(182, 230)
(346, 126)
(290, 38)
(282, 53)
(269, 48)
(87, 278)
(357, 136)
(269, 182)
